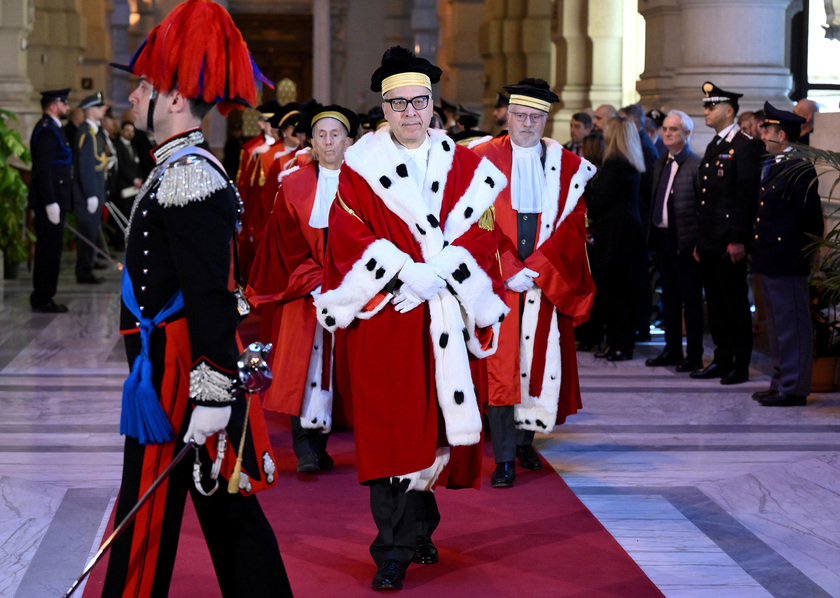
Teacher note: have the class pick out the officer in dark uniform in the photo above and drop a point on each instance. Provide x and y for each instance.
(789, 209)
(728, 189)
(50, 197)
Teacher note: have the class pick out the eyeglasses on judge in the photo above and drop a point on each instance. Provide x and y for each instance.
(521, 117)
(400, 104)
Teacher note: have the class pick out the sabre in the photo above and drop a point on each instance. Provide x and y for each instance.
(129, 518)
(95, 247)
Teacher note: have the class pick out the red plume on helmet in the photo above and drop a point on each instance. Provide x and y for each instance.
(198, 50)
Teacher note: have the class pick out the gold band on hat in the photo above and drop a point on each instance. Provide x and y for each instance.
(285, 118)
(404, 80)
(331, 114)
(530, 102)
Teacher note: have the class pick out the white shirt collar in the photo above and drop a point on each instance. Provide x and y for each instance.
(93, 125)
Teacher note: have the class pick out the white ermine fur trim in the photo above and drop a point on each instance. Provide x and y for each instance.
(538, 413)
(424, 481)
(286, 172)
(187, 179)
(316, 406)
(553, 159)
(486, 184)
(479, 141)
(337, 308)
(473, 286)
(209, 386)
(268, 467)
(455, 390)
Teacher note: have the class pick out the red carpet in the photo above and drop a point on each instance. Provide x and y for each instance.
(533, 540)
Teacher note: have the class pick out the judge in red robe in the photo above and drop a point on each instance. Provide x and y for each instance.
(409, 273)
(287, 276)
(532, 378)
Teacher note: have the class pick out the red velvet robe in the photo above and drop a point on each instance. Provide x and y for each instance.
(410, 380)
(545, 389)
(287, 268)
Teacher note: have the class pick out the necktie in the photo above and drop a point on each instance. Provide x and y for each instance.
(661, 188)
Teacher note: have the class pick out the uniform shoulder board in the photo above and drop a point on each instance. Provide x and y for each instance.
(187, 179)
(745, 134)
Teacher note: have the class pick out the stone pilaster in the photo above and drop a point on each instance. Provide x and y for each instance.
(55, 46)
(16, 21)
(605, 29)
(321, 51)
(463, 79)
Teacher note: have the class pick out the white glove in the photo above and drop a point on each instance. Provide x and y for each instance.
(206, 421)
(92, 204)
(420, 281)
(53, 213)
(521, 281)
(404, 303)
(316, 292)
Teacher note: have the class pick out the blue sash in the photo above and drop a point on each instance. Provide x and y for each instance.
(142, 416)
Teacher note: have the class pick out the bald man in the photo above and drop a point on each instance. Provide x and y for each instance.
(806, 109)
(603, 113)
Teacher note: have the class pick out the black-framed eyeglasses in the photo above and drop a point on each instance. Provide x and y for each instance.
(521, 117)
(400, 104)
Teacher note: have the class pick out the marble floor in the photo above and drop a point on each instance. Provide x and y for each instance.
(712, 494)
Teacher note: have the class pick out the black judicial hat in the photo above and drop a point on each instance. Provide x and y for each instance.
(400, 67)
(285, 116)
(344, 115)
(501, 100)
(533, 93)
(268, 109)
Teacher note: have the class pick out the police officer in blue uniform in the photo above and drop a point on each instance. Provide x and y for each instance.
(789, 209)
(728, 189)
(50, 197)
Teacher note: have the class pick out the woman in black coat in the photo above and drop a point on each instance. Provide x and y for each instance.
(618, 250)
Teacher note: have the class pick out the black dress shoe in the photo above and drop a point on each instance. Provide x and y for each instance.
(665, 358)
(427, 552)
(528, 457)
(764, 394)
(325, 462)
(308, 464)
(619, 355)
(504, 475)
(389, 576)
(689, 365)
(604, 353)
(783, 399)
(736, 376)
(50, 308)
(713, 370)
(91, 279)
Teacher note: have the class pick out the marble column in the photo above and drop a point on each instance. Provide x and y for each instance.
(605, 28)
(459, 55)
(573, 62)
(490, 47)
(16, 20)
(321, 51)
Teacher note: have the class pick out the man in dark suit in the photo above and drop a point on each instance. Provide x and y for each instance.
(728, 182)
(50, 197)
(673, 236)
(579, 127)
(789, 209)
(90, 167)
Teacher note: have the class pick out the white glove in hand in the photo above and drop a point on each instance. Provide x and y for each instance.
(206, 421)
(92, 204)
(521, 281)
(420, 281)
(316, 292)
(404, 303)
(53, 213)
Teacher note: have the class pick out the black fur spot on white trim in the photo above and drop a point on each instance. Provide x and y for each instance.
(554, 377)
(468, 212)
(385, 181)
(445, 243)
(432, 220)
(315, 347)
(323, 311)
(527, 337)
(371, 265)
(466, 335)
(445, 146)
(444, 340)
(502, 318)
(402, 170)
(435, 187)
(422, 232)
(314, 384)
(490, 181)
(524, 375)
(329, 321)
(577, 186)
(553, 168)
(530, 300)
(461, 274)
(588, 168)
(314, 420)
(380, 273)
(459, 397)
(540, 424)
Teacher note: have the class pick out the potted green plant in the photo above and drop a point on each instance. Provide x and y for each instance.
(14, 236)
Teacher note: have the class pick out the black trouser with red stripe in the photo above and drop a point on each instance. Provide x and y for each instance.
(241, 542)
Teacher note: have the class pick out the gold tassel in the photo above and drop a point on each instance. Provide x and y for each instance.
(488, 219)
(233, 482)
